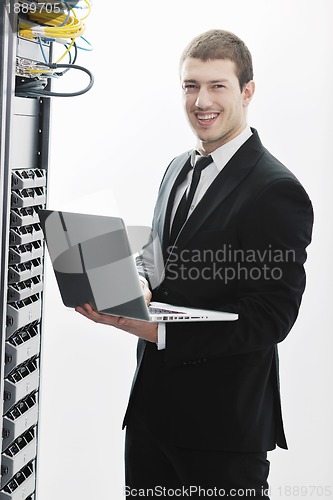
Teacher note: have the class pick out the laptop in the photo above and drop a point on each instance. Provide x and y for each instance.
(93, 263)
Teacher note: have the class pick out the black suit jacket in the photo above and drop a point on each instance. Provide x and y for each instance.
(216, 385)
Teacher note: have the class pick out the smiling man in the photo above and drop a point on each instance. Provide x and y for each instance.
(215, 103)
(205, 404)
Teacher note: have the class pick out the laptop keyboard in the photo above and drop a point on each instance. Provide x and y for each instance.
(158, 310)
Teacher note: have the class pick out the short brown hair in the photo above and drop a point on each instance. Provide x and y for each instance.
(220, 44)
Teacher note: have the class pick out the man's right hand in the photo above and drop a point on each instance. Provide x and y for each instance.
(146, 291)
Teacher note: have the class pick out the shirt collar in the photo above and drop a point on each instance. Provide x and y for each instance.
(224, 153)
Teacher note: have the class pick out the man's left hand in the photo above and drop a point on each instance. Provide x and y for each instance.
(142, 329)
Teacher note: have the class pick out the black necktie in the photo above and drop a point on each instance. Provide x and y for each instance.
(185, 203)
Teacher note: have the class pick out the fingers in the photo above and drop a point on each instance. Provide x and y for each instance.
(148, 298)
(145, 330)
(105, 319)
(146, 293)
(87, 311)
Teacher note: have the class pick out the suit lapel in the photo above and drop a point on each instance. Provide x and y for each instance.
(231, 176)
(166, 197)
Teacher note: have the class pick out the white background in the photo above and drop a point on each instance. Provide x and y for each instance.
(109, 149)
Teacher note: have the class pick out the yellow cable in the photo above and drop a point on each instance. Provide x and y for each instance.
(89, 10)
(41, 71)
(67, 50)
(53, 25)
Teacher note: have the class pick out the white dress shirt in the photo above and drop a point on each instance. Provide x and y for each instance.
(220, 157)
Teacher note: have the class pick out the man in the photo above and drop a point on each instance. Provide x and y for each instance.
(205, 404)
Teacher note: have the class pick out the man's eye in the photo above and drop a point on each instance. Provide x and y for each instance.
(189, 87)
(219, 86)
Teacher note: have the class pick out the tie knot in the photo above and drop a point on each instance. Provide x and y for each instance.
(202, 162)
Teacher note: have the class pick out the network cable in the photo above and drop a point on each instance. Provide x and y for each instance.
(36, 87)
(60, 25)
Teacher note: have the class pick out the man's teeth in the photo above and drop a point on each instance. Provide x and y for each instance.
(207, 117)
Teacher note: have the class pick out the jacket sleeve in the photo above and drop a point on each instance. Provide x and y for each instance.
(276, 228)
(150, 260)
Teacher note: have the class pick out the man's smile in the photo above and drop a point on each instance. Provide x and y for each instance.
(206, 119)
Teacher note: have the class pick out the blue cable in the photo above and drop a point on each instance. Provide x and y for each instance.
(85, 48)
(42, 49)
(68, 14)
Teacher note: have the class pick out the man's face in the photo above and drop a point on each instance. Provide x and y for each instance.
(215, 105)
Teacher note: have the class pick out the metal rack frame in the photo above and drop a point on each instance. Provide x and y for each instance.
(24, 156)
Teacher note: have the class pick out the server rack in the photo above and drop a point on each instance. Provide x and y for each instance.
(24, 151)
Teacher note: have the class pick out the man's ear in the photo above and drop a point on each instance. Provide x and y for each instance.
(248, 91)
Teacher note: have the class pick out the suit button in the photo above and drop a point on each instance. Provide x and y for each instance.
(165, 292)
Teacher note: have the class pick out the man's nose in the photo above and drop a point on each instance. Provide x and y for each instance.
(204, 99)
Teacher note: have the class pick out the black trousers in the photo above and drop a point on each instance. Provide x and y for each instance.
(156, 469)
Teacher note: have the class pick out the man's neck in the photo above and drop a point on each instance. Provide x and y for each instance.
(208, 148)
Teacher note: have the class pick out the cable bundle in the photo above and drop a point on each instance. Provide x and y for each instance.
(62, 25)
(35, 87)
